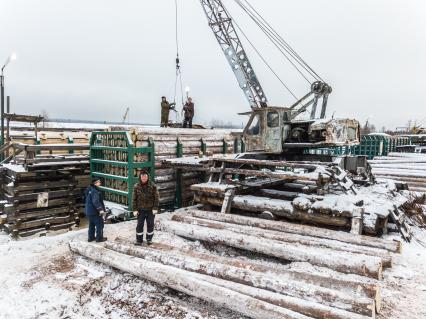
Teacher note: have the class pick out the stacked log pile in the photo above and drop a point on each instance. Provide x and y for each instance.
(250, 286)
(300, 191)
(409, 168)
(173, 143)
(43, 192)
(57, 136)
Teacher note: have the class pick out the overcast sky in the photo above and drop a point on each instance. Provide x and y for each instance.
(91, 59)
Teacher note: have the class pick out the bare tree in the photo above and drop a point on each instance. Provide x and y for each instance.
(368, 128)
(216, 123)
(45, 116)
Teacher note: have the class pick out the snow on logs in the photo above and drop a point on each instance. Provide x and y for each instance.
(374, 203)
(170, 143)
(249, 286)
(299, 296)
(386, 259)
(211, 290)
(348, 285)
(402, 167)
(278, 207)
(349, 263)
(192, 142)
(309, 231)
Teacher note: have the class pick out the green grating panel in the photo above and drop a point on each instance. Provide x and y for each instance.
(115, 159)
(370, 146)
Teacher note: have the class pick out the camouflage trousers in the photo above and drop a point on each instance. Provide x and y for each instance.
(164, 119)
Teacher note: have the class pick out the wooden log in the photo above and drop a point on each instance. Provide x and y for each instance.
(392, 246)
(407, 155)
(346, 263)
(272, 193)
(184, 281)
(277, 207)
(299, 291)
(44, 222)
(290, 238)
(403, 167)
(268, 163)
(396, 173)
(397, 161)
(404, 179)
(258, 173)
(347, 284)
(313, 310)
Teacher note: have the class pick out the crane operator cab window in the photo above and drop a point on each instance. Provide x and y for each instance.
(254, 128)
(273, 119)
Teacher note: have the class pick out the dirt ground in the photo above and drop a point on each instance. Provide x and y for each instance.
(44, 280)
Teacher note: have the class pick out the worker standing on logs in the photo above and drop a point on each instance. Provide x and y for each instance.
(165, 111)
(146, 202)
(188, 112)
(95, 211)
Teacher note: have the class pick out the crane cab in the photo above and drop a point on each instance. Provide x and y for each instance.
(272, 130)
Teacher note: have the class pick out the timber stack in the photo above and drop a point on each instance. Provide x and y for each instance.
(311, 273)
(407, 168)
(173, 143)
(51, 137)
(319, 193)
(43, 192)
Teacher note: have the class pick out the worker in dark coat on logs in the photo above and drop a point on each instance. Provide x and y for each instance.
(146, 202)
(165, 111)
(95, 211)
(188, 113)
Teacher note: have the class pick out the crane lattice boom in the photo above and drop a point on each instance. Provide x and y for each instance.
(221, 23)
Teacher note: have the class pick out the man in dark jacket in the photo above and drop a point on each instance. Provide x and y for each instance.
(188, 113)
(146, 202)
(94, 210)
(165, 111)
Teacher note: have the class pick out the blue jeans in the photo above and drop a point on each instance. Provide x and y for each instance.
(96, 223)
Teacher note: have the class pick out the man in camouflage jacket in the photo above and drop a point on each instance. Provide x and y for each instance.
(146, 202)
(165, 111)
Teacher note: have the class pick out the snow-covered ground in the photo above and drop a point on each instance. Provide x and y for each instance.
(40, 278)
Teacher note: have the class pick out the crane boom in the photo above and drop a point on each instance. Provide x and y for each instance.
(126, 115)
(221, 23)
(275, 129)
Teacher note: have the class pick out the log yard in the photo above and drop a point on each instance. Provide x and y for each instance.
(140, 178)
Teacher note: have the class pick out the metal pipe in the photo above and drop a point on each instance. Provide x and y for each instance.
(2, 109)
(8, 125)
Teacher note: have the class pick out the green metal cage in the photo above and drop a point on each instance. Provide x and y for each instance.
(370, 146)
(116, 160)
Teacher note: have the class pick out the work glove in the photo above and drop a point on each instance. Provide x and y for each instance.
(135, 213)
(155, 211)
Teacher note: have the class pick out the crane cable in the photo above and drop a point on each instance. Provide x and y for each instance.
(278, 41)
(178, 80)
(262, 58)
(273, 38)
(283, 42)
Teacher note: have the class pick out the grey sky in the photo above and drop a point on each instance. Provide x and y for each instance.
(90, 59)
